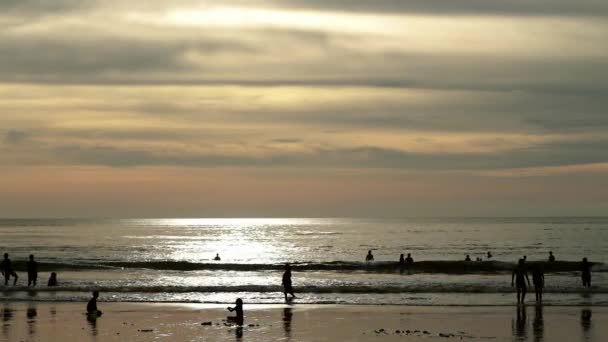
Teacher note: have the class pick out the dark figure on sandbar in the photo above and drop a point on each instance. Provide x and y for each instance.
(586, 273)
(538, 279)
(217, 257)
(239, 318)
(92, 312)
(551, 257)
(287, 288)
(369, 257)
(32, 271)
(409, 260)
(401, 260)
(489, 256)
(52, 280)
(468, 258)
(518, 279)
(7, 270)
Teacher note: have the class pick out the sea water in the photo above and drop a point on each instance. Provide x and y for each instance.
(171, 260)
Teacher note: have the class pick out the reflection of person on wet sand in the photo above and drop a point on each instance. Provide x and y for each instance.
(239, 318)
(518, 279)
(520, 328)
(586, 323)
(287, 317)
(538, 325)
(287, 287)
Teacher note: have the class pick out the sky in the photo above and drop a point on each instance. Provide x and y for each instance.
(260, 108)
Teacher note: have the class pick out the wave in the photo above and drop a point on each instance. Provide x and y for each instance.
(340, 289)
(446, 267)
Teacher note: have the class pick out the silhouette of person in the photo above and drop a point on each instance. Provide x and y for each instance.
(538, 325)
(489, 255)
(525, 258)
(401, 260)
(551, 257)
(538, 279)
(32, 271)
(409, 260)
(217, 257)
(52, 280)
(518, 279)
(239, 318)
(468, 258)
(586, 273)
(92, 311)
(369, 257)
(7, 270)
(287, 287)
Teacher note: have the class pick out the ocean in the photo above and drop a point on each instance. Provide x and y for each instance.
(171, 260)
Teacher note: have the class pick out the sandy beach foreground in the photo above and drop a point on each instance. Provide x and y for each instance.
(184, 322)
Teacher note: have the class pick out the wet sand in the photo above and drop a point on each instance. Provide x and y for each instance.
(183, 322)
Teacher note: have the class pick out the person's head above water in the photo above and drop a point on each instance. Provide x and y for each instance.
(5, 255)
(584, 259)
(369, 252)
(31, 256)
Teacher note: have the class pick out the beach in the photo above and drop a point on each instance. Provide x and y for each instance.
(38, 321)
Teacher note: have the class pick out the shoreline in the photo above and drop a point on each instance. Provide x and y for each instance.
(49, 321)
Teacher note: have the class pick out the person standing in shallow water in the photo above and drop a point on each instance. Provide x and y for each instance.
(287, 287)
(538, 279)
(586, 273)
(52, 280)
(32, 271)
(551, 257)
(518, 279)
(369, 257)
(7, 270)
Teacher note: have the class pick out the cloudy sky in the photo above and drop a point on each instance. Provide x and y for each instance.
(303, 108)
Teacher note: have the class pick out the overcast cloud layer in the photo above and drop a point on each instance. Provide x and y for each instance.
(385, 107)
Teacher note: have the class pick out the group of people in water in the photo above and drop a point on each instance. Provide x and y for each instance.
(6, 267)
(521, 281)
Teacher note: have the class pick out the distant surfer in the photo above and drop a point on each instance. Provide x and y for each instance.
(518, 279)
(369, 257)
(287, 287)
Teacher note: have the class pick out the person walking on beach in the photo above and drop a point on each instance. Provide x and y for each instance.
(7, 270)
(239, 318)
(32, 271)
(518, 279)
(551, 257)
(538, 279)
(287, 287)
(369, 257)
(586, 273)
(52, 280)
(92, 311)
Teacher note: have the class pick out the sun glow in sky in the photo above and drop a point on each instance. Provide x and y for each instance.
(303, 108)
